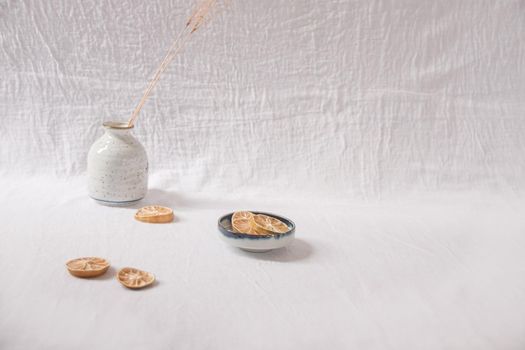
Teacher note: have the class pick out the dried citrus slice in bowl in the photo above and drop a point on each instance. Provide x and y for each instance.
(87, 267)
(242, 222)
(134, 278)
(154, 214)
(265, 224)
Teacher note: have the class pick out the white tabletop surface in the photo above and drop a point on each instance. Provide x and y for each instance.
(436, 272)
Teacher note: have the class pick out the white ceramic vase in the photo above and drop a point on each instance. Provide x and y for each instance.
(117, 167)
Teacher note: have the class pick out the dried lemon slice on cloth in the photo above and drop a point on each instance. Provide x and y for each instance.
(154, 214)
(242, 222)
(134, 278)
(87, 267)
(265, 224)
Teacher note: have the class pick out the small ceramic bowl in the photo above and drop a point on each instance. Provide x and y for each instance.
(253, 243)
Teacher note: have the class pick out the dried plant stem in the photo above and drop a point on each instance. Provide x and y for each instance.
(174, 50)
(199, 17)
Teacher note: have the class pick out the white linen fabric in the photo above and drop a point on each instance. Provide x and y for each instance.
(369, 98)
(437, 272)
(391, 132)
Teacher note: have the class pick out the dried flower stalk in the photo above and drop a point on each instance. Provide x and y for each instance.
(200, 16)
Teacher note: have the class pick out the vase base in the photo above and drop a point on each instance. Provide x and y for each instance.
(250, 250)
(109, 203)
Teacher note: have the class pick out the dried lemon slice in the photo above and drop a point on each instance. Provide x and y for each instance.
(134, 278)
(265, 224)
(242, 222)
(87, 267)
(154, 214)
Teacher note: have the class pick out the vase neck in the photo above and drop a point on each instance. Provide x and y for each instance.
(117, 129)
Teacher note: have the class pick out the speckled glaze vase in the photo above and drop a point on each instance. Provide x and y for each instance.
(117, 167)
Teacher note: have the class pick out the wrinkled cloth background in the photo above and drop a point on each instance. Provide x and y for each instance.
(363, 97)
(392, 132)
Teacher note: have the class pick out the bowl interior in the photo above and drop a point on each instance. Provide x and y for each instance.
(225, 225)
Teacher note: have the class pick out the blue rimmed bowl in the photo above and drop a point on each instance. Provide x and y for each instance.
(253, 243)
